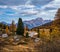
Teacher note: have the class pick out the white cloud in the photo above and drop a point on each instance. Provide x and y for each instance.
(48, 11)
(4, 6)
(53, 4)
(22, 9)
(23, 2)
(28, 9)
(25, 9)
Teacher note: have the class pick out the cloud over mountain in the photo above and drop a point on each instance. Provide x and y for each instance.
(28, 9)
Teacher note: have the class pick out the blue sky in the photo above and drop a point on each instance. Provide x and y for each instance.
(27, 9)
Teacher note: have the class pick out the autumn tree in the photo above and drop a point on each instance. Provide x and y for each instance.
(20, 27)
(1, 25)
(13, 27)
(55, 32)
(7, 30)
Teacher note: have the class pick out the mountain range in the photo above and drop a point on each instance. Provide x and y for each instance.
(51, 25)
(36, 22)
(32, 23)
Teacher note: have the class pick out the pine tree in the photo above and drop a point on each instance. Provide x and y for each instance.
(20, 27)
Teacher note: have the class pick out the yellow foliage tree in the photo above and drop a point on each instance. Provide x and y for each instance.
(12, 27)
(55, 32)
(7, 30)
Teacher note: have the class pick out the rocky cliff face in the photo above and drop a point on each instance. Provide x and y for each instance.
(36, 22)
(57, 16)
